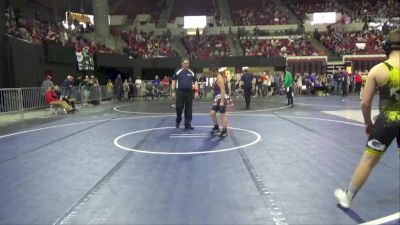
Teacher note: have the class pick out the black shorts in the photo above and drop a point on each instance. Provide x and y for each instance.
(382, 135)
(217, 107)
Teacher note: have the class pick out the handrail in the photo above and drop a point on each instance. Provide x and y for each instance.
(14, 100)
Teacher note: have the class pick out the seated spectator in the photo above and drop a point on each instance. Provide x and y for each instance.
(301, 7)
(160, 91)
(373, 8)
(156, 82)
(207, 46)
(150, 90)
(255, 12)
(254, 46)
(342, 42)
(148, 45)
(53, 98)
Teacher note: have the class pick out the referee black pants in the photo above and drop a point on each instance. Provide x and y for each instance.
(184, 100)
(247, 96)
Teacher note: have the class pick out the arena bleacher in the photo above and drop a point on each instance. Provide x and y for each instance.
(256, 28)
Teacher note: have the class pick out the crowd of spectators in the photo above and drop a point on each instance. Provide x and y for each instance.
(255, 46)
(207, 46)
(340, 82)
(341, 42)
(254, 12)
(148, 45)
(215, 11)
(124, 89)
(34, 31)
(373, 8)
(301, 7)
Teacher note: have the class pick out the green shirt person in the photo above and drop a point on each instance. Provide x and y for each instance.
(289, 82)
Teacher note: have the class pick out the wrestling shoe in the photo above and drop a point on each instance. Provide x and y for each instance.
(214, 130)
(224, 133)
(341, 196)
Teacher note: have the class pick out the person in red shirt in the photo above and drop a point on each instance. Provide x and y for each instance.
(53, 98)
(266, 84)
(165, 84)
(358, 81)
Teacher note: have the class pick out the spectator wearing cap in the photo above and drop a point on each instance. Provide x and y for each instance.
(66, 86)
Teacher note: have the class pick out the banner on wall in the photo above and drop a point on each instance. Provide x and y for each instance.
(85, 59)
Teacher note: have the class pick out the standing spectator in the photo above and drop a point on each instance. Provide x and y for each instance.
(337, 78)
(260, 86)
(345, 82)
(289, 86)
(247, 82)
(87, 87)
(46, 84)
(364, 81)
(280, 84)
(165, 83)
(126, 89)
(118, 87)
(95, 93)
(232, 82)
(299, 83)
(182, 89)
(358, 81)
(110, 89)
(202, 86)
(66, 86)
(131, 84)
(265, 84)
(271, 85)
(138, 85)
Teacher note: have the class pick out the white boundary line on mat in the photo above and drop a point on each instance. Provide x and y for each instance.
(382, 220)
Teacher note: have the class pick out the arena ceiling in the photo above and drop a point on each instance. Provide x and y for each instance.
(77, 5)
(65, 5)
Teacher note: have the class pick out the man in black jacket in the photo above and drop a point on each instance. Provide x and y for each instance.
(247, 82)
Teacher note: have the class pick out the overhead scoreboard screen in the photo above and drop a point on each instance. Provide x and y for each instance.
(194, 22)
(323, 18)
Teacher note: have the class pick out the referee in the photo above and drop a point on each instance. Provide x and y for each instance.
(247, 81)
(183, 82)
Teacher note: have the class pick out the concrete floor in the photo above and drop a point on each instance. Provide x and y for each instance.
(126, 163)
